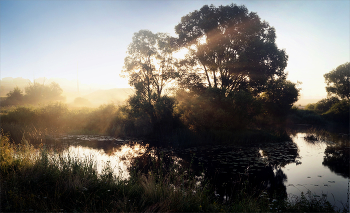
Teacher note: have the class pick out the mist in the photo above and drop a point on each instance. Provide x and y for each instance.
(74, 93)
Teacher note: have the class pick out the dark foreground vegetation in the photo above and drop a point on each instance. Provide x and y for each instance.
(32, 179)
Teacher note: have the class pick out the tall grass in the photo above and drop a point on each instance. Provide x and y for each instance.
(34, 179)
(38, 124)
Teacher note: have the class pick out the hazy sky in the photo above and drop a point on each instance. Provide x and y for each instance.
(54, 39)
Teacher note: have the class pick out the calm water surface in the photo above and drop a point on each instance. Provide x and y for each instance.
(320, 167)
(312, 174)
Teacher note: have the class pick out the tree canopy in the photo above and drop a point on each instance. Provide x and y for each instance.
(232, 74)
(39, 92)
(15, 96)
(150, 64)
(338, 81)
(35, 93)
(150, 67)
(233, 48)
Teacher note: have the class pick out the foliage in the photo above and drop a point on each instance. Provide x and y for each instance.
(279, 97)
(35, 93)
(306, 203)
(100, 119)
(39, 180)
(337, 158)
(332, 109)
(39, 123)
(339, 112)
(14, 97)
(233, 67)
(150, 67)
(338, 81)
(142, 119)
(323, 105)
(308, 117)
(212, 110)
(50, 182)
(150, 64)
(39, 92)
(233, 48)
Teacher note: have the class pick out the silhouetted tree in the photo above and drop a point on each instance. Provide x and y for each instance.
(150, 67)
(14, 97)
(150, 64)
(233, 65)
(37, 92)
(211, 109)
(231, 49)
(280, 96)
(339, 112)
(323, 105)
(338, 81)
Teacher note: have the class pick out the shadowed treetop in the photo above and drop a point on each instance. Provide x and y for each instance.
(338, 81)
(234, 48)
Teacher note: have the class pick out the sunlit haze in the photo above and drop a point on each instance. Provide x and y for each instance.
(88, 40)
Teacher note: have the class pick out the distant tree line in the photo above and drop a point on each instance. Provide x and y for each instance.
(34, 93)
(336, 106)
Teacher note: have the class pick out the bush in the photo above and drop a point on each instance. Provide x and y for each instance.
(298, 116)
(213, 110)
(339, 112)
(323, 105)
(14, 97)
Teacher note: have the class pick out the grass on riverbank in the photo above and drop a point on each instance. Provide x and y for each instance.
(38, 124)
(33, 180)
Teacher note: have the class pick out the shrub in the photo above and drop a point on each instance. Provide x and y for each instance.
(339, 112)
(14, 97)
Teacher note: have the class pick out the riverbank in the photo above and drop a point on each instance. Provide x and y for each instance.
(33, 181)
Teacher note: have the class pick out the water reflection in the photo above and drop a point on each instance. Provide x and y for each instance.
(315, 174)
(229, 168)
(100, 152)
(337, 159)
(280, 169)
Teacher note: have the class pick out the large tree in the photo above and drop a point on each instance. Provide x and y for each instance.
(150, 64)
(231, 49)
(338, 81)
(150, 67)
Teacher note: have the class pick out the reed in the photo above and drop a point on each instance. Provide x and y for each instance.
(40, 179)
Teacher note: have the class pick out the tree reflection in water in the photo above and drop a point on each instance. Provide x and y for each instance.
(337, 158)
(229, 169)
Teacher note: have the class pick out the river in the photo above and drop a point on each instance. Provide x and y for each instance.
(309, 164)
